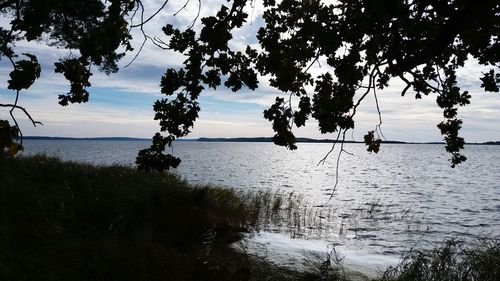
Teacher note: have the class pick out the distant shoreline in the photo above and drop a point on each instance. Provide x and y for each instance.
(97, 138)
(242, 139)
(268, 139)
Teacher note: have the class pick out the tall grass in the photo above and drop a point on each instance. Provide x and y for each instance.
(71, 221)
(452, 261)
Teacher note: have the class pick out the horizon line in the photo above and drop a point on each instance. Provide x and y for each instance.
(235, 139)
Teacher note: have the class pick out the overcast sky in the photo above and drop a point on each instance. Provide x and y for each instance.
(121, 104)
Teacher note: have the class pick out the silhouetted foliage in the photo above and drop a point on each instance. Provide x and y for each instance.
(95, 28)
(361, 44)
(364, 44)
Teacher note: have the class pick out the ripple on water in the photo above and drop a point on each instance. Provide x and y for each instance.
(420, 185)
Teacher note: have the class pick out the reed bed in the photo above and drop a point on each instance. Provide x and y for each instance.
(453, 260)
(72, 221)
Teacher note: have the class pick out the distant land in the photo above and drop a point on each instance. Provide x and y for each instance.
(69, 138)
(268, 139)
(306, 140)
(242, 139)
(491, 142)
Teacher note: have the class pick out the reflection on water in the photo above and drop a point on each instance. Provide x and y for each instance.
(384, 203)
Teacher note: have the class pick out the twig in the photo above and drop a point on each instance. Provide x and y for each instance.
(408, 84)
(197, 15)
(133, 16)
(314, 60)
(439, 76)
(151, 17)
(337, 167)
(371, 85)
(14, 106)
(322, 161)
(368, 88)
(415, 75)
(140, 49)
(348, 153)
(378, 128)
(290, 123)
(11, 112)
(182, 8)
(141, 26)
(160, 43)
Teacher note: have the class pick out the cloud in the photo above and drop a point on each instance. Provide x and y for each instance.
(120, 104)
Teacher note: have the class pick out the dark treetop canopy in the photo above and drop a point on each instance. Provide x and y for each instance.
(361, 45)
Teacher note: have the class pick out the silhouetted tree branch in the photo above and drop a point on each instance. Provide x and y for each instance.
(421, 42)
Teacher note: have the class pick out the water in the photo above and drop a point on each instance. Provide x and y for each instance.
(404, 196)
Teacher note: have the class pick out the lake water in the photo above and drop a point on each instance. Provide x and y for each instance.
(405, 196)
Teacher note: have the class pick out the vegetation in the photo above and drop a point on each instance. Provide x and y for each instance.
(69, 221)
(72, 221)
(454, 260)
(361, 45)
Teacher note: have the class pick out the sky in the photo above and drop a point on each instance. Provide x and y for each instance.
(121, 104)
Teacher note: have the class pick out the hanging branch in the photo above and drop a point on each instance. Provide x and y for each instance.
(143, 22)
(154, 40)
(337, 164)
(378, 128)
(14, 106)
(371, 86)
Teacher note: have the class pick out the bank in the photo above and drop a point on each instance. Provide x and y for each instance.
(73, 221)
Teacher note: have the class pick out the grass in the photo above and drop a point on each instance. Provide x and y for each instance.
(452, 261)
(72, 221)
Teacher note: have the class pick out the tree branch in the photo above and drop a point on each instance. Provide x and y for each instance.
(151, 17)
(182, 8)
(378, 128)
(15, 106)
(197, 15)
(322, 161)
(408, 84)
(343, 132)
(371, 85)
(415, 75)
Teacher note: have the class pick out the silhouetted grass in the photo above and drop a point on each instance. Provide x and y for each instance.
(452, 261)
(71, 221)
(327, 267)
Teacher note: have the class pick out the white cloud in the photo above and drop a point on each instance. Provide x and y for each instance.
(404, 118)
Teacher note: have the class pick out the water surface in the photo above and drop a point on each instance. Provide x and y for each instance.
(405, 196)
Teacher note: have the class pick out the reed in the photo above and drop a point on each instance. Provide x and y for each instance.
(454, 260)
(73, 221)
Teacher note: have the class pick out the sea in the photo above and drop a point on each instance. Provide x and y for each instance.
(367, 208)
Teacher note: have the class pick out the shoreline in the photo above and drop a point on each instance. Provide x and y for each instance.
(244, 140)
(67, 221)
(295, 253)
